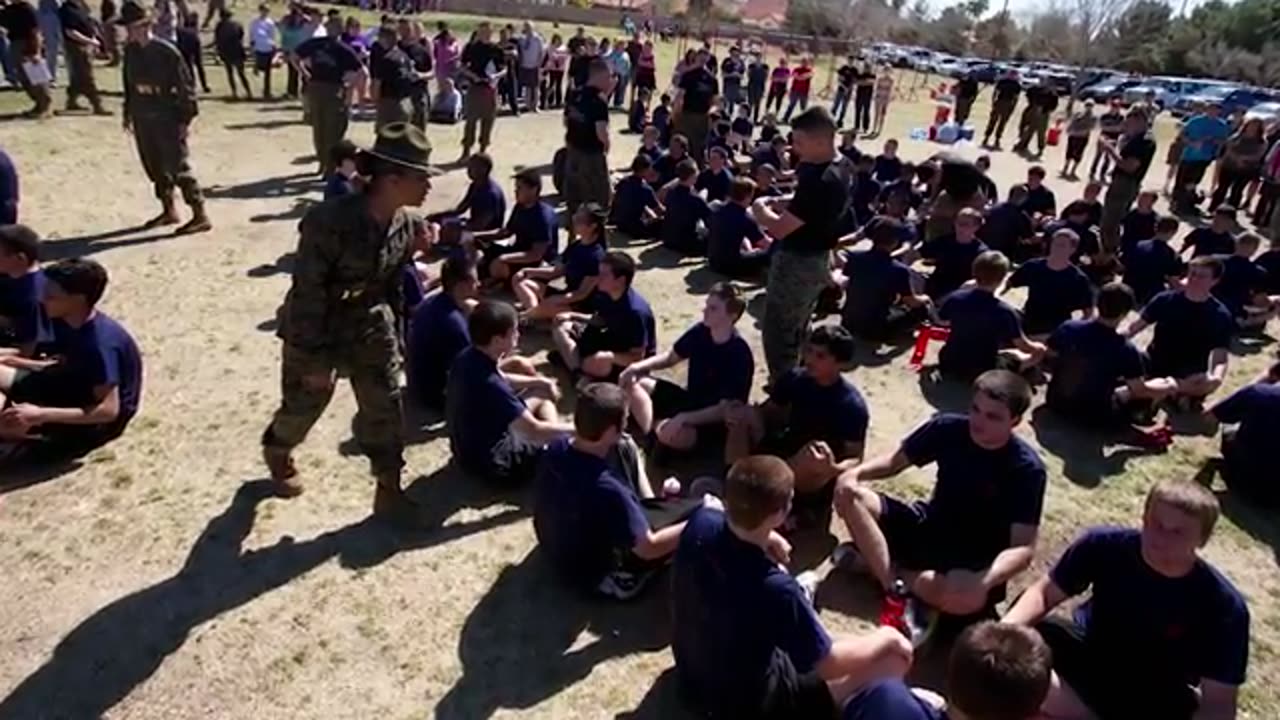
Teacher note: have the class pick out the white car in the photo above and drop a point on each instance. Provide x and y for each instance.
(1268, 112)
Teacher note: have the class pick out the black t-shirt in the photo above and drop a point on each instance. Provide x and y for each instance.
(419, 53)
(75, 15)
(330, 59)
(847, 75)
(1043, 98)
(821, 201)
(1142, 147)
(483, 59)
(576, 42)
(699, 87)
(579, 69)
(1040, 200)
(584, 109)
(394, 70)
(757, 75)
(19, 20)
(1007, 90)
(967, 88)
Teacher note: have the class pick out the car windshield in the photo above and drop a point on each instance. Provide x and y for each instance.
(1216, 91)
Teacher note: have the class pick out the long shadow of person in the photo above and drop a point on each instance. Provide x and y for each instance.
(662, 702)
(520, 645)
(121, 645)
(1085, 457)
(944, 395)
(1258, 521)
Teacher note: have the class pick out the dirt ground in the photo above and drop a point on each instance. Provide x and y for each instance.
(157, 579)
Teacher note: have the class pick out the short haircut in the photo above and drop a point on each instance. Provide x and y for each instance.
(600, 406)
(742, 188)
(990, 267)
(342, 151)
(621, 265)
(1248, 239)
(20, 240)
(481, 161)
(1167, 224)
(79, 276)
(729, 294)
(641, 164)
(756, 487)
(531, 179)
(1207, 261)
(686, 169)
(885, 231)
(816, 120)
(999, 671)
(1076, 208)
(1017, 190)
(680, 140)
(1226, 211)
(491, 319)
(1005, 387)
(768, 169)
(1115, 300)
(1037, 171)
(1066, 233)
(718, 150)
(836, 340)
(1189, 497)
(457, 268)
(968, 213)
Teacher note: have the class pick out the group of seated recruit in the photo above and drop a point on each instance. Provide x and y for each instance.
(929, 245)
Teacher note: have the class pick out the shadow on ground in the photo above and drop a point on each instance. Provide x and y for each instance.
(104, 658)
(520, 645)
(1087, 457)
(272, 187)
(84, 245)
(1259, 522)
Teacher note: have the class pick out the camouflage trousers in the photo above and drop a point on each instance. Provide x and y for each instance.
(162, 146)
(330, 115)
(374, 375)
(586, 179)
(80, 81)
(796, 280)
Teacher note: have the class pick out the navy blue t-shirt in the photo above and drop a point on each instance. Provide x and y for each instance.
(1208, 242)
(665, 167)
(1040, 200)
(21, 304)
(1088, 238)
(1185, 629)
(981, 325)
(486, 203)
(338, 185)
(1136, 227)
(586, 518)
(630, 198)
(481, 405)
(738, 619)
(876, 282)
(101, 352)
(1147, 267)
(1005, 227)
(889, 700)
(1186, 332)
(1241, 279)
(1052, 295)
(730, 225)
(715, 183)
(437, 335)
(717, 372)
(685, 210)
(835, 414)
(653, 153)
(624, 324)
(1092, 361)
(1256, 408)
(864, 195)
(1269, 261)
(766, 155)
(979, 494)
(887, 169)
(661, 119)
(534, 224)
(952, 263)
(581, 261)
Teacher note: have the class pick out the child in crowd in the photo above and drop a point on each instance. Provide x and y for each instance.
(766, 179)
(1139, 223)
(636, 210)
(618, 330)
(665, 167)
(534, 226)
(736, 246)
(864, 195)
(814, 419)
(772, 153)
(977, 531)
(1192, 332)
(1217, 239)
(1248, 449)
(769, 129)
(24, 324)
(579, 265)
(719, 138)
(984, 328)
(686, 213)
(721, 369)
(1008, 227)
(594, 528)
(778, 82)
(638, 116)
(650, 146)
(849, 145)
(345, 179)
(438, 332)
(661, 119)
(1091, 201)
(1153, 266)
(1056, 286)
(1110, 128)
(1040, 204)
(888, 166)
(953, 255)
(1269, 261)
(484, 202)
(1080, 127)
(880, 302)
(499, 422)
(742, 129)
(746, 639)
(1075, 217)
(1242, 287)
(66, 407)
(714, 181)
(446, 106)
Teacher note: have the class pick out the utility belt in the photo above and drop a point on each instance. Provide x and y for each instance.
(148, 90)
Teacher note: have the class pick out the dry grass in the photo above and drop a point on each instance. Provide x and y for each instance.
(155, 579)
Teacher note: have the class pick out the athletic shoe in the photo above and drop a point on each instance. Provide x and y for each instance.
(622, 585)
(846, 557)
(921, 621)
(808, 582)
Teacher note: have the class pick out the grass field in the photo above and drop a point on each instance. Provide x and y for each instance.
(156, 579)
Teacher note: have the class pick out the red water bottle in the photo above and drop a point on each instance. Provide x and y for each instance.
(893, 613)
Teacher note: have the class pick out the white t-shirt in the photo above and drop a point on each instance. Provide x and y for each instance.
(262, 35)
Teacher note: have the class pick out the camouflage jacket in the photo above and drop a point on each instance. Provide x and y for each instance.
(158, 85)
(347, 278)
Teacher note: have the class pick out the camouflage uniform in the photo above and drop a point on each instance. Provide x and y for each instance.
(160, 103)
(341, 314)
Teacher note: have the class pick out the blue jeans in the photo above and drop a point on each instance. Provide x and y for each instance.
(801, 99)
(51, 29)
(620, 92)
(840, 105)
(10, 72)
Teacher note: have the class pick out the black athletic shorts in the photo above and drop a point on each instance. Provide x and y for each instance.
(1075, 147)
(790, 695)
(1112, 688)
(52, 387)
(810, 510)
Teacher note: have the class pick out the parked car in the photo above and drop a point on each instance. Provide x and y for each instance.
(988, 72)
(1102, 90)
(1267, 112)
(1212, 95)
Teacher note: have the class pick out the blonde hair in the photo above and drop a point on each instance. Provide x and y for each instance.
(1188, 497)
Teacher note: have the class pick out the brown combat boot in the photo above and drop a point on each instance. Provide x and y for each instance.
(391, 504)
(199, 223)
(167, 216)
(283, 472)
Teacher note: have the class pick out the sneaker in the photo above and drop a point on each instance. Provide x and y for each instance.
(808, 582)
(284, 474)
(921, 621)
(846, 557)
(622, 585)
